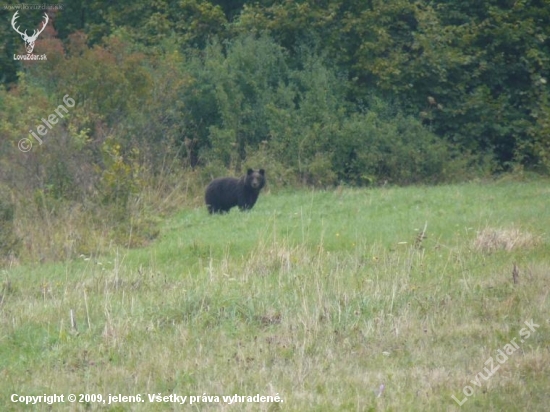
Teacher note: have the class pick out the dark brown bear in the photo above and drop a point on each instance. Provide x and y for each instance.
(226, 192)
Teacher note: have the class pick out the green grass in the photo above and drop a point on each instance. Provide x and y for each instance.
(320, 297)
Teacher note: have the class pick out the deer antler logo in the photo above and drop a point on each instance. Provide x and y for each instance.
(29, 40)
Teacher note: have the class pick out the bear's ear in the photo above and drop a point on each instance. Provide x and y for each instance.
(262, 172)
(249, 172)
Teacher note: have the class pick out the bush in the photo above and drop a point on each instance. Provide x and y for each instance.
(9, 243)
(383, 145)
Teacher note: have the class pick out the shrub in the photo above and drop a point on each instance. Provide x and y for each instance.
(9, 242)
(374, 147)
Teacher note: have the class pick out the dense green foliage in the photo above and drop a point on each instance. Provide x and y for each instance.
(475, 74)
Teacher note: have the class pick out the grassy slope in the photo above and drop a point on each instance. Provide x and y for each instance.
(320, 297)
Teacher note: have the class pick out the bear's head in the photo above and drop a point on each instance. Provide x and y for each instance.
(255, 179)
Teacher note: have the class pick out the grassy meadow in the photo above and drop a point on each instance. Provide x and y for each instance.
(386, 299)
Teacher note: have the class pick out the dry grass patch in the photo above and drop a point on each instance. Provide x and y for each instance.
(491, 239)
